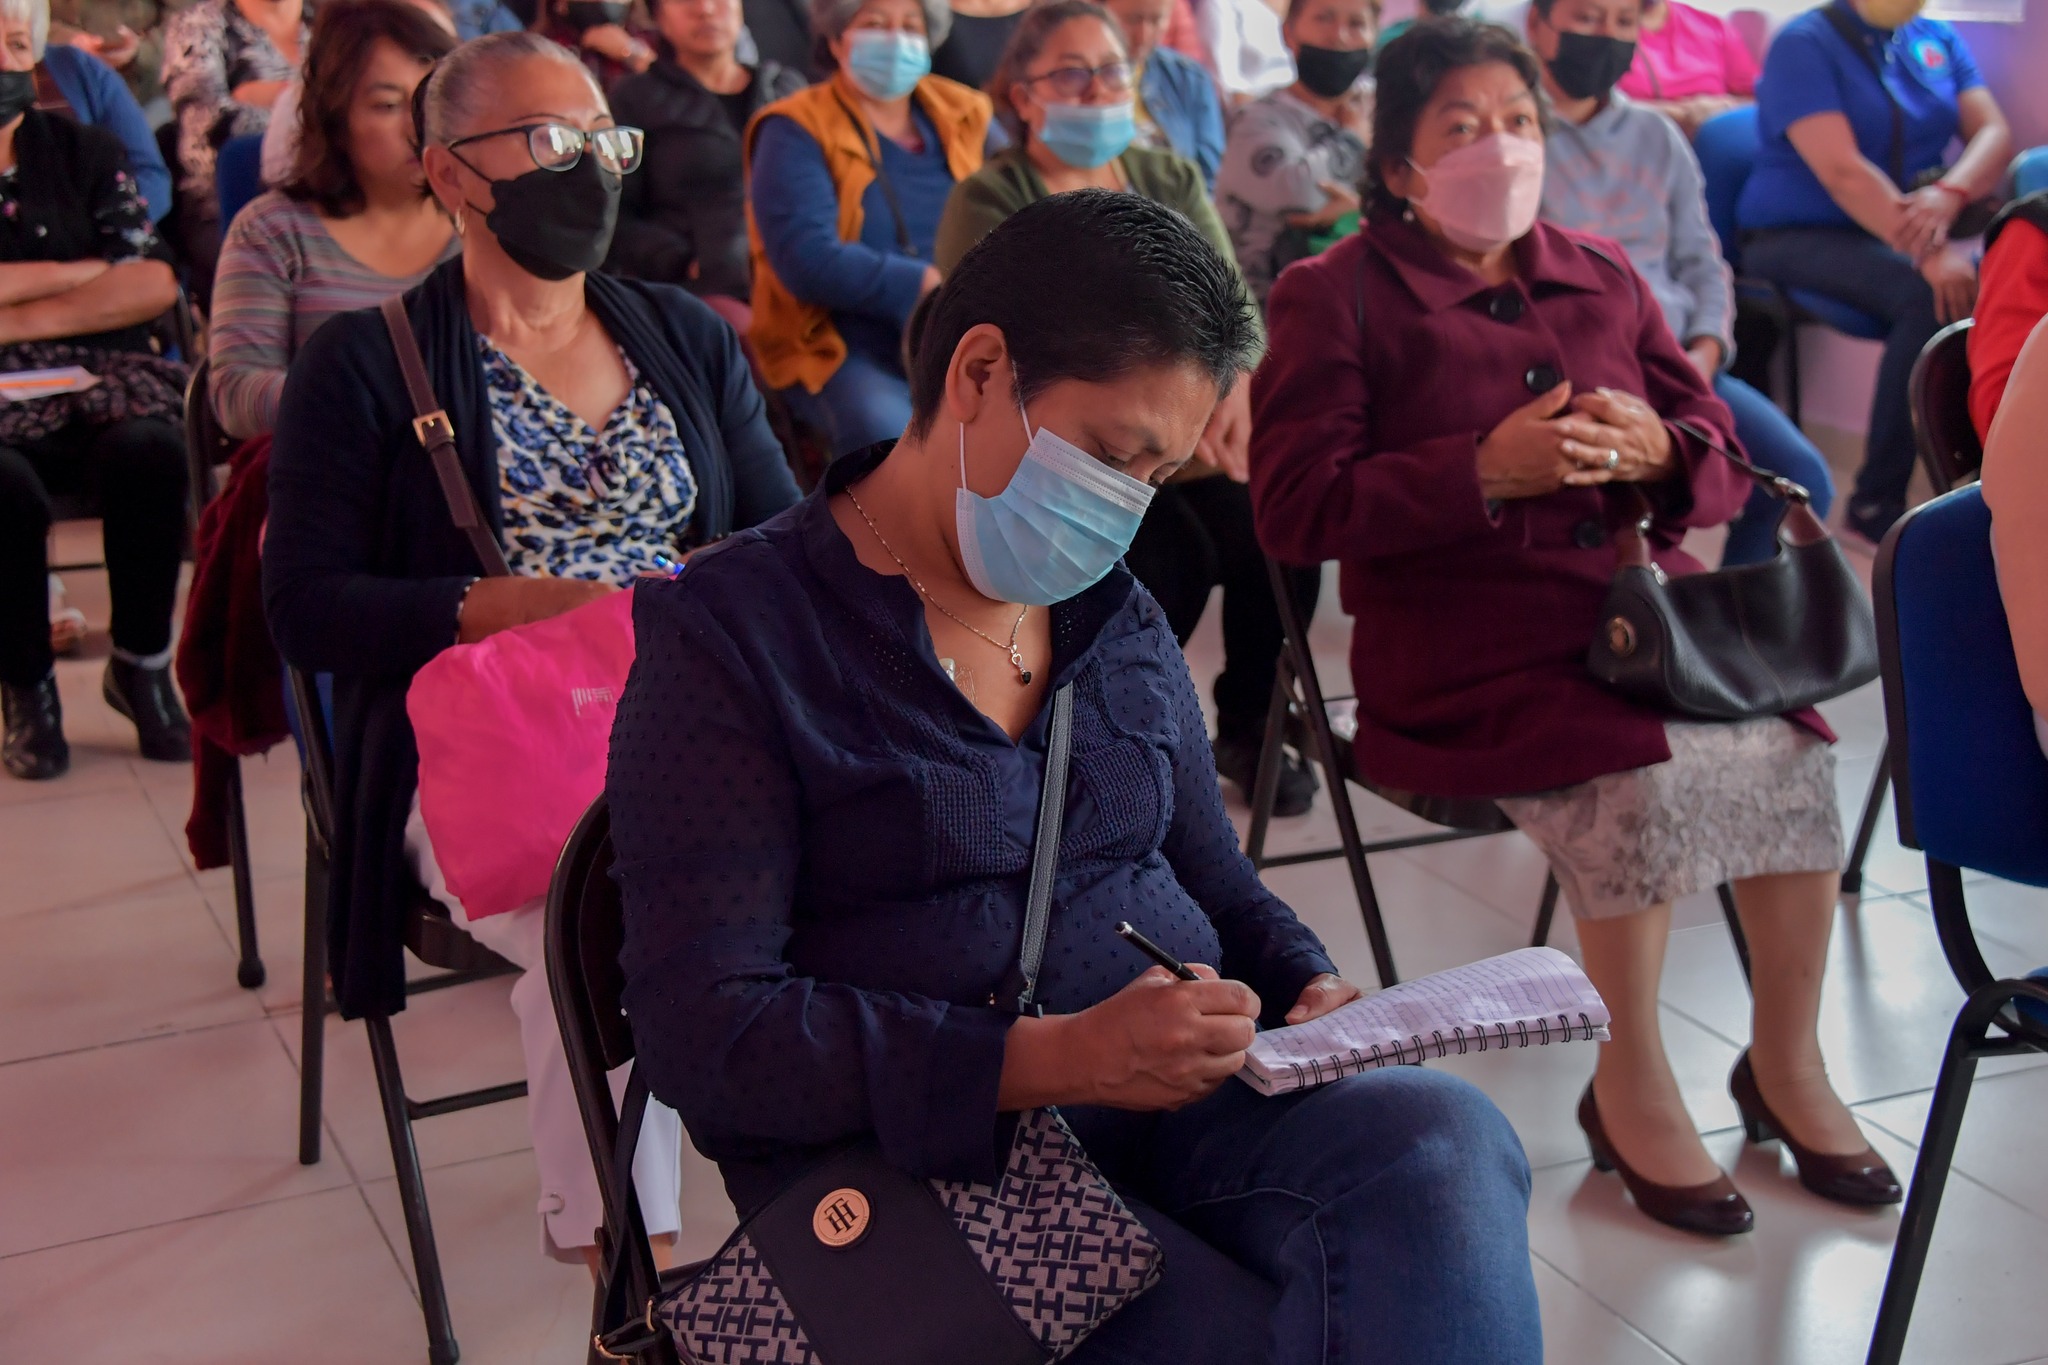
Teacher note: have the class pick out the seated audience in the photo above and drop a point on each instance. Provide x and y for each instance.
(1176, 108)
(128, 35)
(1063, 92)
(600, 423)
(847, 180)
(1289, 185)
(1431, 9)
(781, 30)
(281, 138)
(225, 64)
(350, 227)
(81, 275)
(683, 219)
(1458, 403)
(1243, 40)
(975, 40)
(814, 958)
(71, 81)
(1617, 170)
(1851, 198)
(475, 18)
(1689, 64)
(604, 33)
(2011, 300)
(2016, 491)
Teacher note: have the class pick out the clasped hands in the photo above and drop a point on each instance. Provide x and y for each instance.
(1559, 440)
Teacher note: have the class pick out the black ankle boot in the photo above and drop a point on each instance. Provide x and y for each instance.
(34, 749)
(148, 697)
(1237, 758)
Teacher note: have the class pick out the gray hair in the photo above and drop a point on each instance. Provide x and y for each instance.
(830, 18)
(34, 13)
(449, 99)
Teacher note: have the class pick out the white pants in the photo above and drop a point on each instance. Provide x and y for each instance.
(570, 1206)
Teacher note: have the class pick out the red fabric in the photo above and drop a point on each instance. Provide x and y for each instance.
(1472, 622)
(2012, 295)
(227, 666)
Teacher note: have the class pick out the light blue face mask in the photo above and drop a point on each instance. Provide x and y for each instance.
(887, 66)
(1086, 135)
(1061, 524)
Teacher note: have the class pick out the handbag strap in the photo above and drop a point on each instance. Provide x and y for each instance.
(435, 432)
(1861, 45)
(1045, 855)
(1632, 539)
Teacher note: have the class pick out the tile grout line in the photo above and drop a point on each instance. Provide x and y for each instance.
(1618, 1316)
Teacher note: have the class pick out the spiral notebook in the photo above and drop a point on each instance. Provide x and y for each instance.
(1532, 997)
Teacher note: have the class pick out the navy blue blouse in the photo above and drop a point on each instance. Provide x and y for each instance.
(824, 848)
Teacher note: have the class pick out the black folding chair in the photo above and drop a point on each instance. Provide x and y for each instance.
(585, 930)
(434, 939)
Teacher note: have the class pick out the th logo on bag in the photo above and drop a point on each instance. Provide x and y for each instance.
(841, 1218)
(580, 697)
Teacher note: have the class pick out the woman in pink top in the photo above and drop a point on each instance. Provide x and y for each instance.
(1690, 64)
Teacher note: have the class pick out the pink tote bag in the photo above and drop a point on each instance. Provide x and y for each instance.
(514, 732)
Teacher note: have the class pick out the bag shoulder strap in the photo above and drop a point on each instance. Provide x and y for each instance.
(1858, 44)
(437, 434)
(1045, 850)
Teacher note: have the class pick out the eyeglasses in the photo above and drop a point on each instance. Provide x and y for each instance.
(1074, 82)
(559, 146)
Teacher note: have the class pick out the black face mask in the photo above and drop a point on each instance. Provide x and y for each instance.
(554, 224)
(17, 93)
(1587, 65)
(586, 14)
(1330, 72)
(1443, 7)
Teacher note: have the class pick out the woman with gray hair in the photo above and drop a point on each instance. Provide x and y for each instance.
(846, 182)
(604, 426)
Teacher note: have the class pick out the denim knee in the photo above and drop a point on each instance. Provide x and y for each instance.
(1439, 1131)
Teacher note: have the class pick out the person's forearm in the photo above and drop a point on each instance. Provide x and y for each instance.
(1982, 165)
(1867, 195)
(1038, 1069)
(121, 296)
(27, 281)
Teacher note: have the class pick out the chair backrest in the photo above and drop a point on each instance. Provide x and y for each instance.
(238, 175)
(2029, 171)
(1939, 394)
(1727, 146)
(206, 445)
(1970, 778)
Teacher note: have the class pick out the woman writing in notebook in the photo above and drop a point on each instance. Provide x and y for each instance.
(825, 781)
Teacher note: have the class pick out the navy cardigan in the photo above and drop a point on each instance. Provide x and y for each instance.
(363, 572)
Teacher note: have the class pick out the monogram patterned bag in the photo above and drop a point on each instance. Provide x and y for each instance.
(858, 1263)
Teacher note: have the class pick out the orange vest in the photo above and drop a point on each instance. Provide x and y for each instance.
(795, 342)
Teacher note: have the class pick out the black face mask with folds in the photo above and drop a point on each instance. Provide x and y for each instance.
(1329, 71)
(1587, 65)
(587, 14)
(17, 93)
(554, 224)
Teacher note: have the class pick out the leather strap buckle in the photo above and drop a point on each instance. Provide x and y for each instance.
(424, 427)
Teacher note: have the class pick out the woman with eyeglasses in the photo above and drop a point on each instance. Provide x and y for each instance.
(604, 427)
(845, 183)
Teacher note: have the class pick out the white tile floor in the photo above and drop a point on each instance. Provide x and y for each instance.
(151, 1208)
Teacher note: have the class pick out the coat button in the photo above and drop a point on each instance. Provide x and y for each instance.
(1542, 378)
(1505, 306)
(1589, 535)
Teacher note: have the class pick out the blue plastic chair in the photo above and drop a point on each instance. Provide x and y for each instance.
(1727, 147)
(1972, 789)
(2029, 171)
(238, 175)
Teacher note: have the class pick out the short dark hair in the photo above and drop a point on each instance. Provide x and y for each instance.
(345, 32)
(1294, 8)
(1027, 43)
(1408, 72)
(1090, 285)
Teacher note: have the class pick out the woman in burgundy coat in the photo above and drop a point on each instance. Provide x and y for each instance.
(1457, 404)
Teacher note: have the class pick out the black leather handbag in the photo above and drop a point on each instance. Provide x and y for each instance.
(1758, 640)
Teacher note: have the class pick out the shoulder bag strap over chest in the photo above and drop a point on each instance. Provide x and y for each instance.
(430, 423)
(1045, 852)
(872, 143)
(1860, 45)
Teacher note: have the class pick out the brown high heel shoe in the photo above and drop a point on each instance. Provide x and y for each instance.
(1856, 1178)
(1716, 1208)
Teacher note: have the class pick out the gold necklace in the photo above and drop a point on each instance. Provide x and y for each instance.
(1016, 655)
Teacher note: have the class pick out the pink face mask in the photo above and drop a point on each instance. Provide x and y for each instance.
(1485, 194)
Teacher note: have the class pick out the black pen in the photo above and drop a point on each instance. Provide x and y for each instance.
(1154, 951)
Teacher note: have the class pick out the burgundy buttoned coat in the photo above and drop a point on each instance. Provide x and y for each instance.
(1388, 363)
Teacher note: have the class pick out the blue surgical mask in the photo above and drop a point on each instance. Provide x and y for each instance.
(1086, 135)
(1061, 524)
(887, 65)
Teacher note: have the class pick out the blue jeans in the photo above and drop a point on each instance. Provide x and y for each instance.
(1381, 1218)
(865, 401)
(1772, 443)
(1851, 265)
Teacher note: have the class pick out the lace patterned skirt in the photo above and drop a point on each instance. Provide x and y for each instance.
(1736, 799)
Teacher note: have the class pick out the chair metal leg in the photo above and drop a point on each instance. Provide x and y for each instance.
(249, 971)
(1546, 910)
(1339, 787)
(1727, 896)
(313, 1003)
(412, 1193)
(1880, 783)
(1266, 786)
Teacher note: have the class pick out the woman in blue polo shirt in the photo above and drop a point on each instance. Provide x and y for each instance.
(1858, 104)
